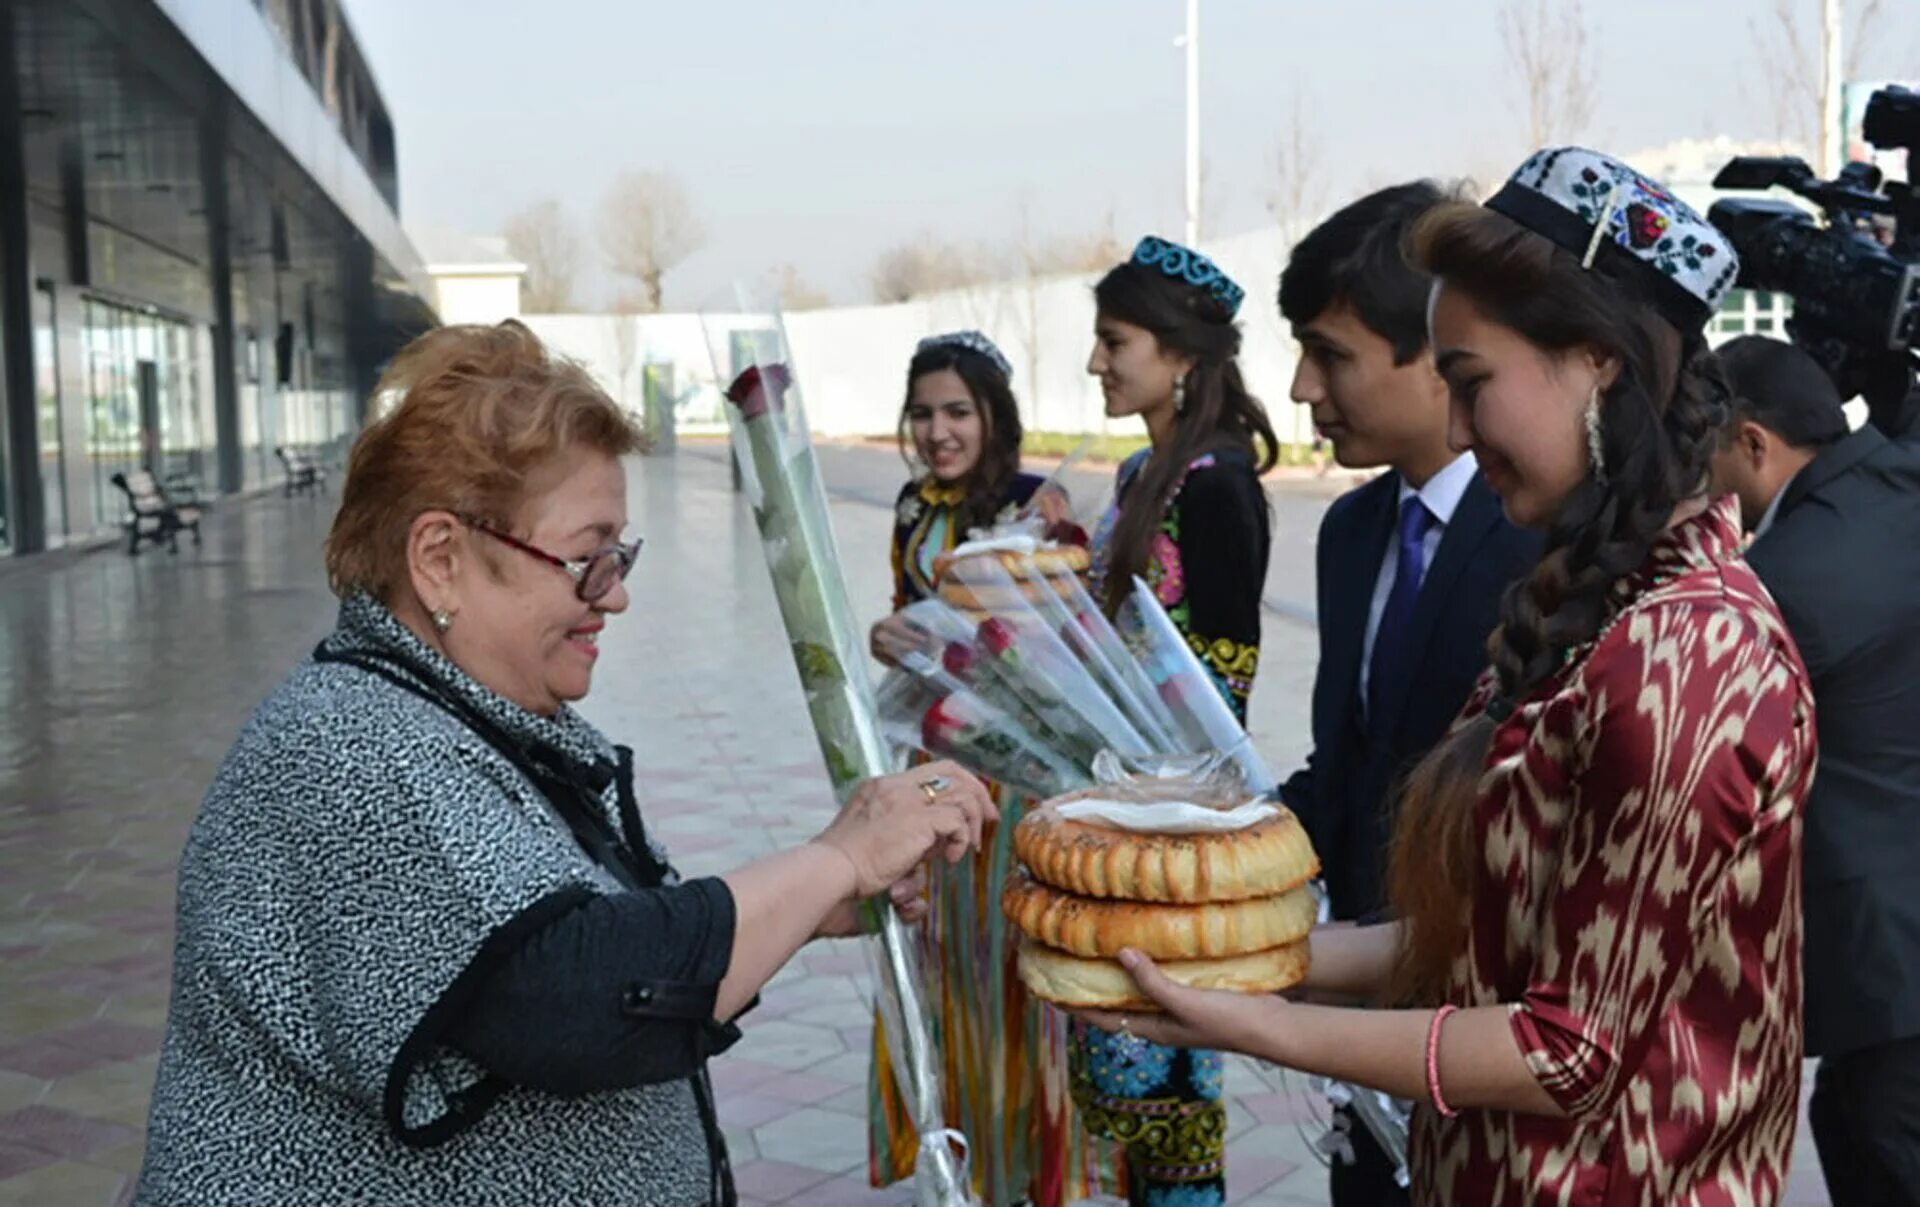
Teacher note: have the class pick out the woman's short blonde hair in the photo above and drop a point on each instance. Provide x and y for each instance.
(480, 410)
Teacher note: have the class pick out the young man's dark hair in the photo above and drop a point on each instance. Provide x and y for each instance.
(1785, 410)
(1783, 389)
(1410, 567)
(1356, 257)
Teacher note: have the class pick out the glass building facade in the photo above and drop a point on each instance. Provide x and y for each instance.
(200, 252)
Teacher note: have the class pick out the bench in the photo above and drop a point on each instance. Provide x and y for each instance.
(304, 472)
(151, 516)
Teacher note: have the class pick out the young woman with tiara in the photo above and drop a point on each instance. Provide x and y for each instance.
(1004, 1073)
(1190, 518)
(1595, 962)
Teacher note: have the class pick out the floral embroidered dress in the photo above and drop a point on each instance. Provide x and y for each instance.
(1638, 904)
(926, 523)
(1005, 1066)
(1207, 567)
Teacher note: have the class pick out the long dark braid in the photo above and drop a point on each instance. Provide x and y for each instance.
(1660, 422)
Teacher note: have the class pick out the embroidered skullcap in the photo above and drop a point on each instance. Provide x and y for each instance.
(972, 341)
(1187, 265)
(1595, 206)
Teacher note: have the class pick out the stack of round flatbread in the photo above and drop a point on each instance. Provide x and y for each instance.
(1001, 581)
(1214, 910)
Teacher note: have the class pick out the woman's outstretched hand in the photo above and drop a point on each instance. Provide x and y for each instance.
(1192, 1018)
(894, 823)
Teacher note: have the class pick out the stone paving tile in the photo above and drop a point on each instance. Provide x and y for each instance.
(68, 1182)
(62, 1133)
(775, 1181)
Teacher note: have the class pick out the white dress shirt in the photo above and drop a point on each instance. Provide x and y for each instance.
(1773, 509)
(1442, 495)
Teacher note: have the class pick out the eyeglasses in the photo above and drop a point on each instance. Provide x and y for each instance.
(594, 575)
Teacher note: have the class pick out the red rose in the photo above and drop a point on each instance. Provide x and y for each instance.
(758, 388)
(959, 658)
(938, 728)
(997, 635)
(1066, 532)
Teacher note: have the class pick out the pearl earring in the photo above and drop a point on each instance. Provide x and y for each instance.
(1596, 444)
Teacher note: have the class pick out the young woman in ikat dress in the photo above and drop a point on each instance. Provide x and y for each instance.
(1596, 876)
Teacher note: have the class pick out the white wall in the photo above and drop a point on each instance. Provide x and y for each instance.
(851, 361)
(477, 297)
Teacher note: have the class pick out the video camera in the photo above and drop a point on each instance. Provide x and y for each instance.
(1854, 278)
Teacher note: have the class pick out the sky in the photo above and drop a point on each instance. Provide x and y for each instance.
(822, 133)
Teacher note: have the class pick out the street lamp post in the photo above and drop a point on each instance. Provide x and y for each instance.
(1831, 143)
(1192, 44)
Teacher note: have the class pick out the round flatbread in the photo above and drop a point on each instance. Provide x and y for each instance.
(1088, 926)
(1059, 561)
(1087, 860)
(1081, 983)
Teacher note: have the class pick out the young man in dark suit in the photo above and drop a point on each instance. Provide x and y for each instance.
(1411, 566)
(1837, 518)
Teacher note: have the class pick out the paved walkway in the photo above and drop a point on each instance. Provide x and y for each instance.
(122, 683)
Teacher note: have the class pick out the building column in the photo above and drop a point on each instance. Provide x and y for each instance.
(226, 389)
(26, 506)
(362, 323)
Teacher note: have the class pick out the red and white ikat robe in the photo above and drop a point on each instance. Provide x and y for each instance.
(1637, 908)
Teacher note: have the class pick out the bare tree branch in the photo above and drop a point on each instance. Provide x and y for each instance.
(1299, 191)
(1862, 37)
(647, 227)
(1790, 58)
(1552, 53)
(542, 237)
(925, 265)
(794, 292)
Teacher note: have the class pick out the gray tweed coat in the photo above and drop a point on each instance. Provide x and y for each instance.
(359, 856)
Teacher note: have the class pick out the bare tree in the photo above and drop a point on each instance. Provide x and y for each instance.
(924, 265)
(1299, 176)
(1790, 61)
(647, 227)
(542, 237)
(1552, 53)
(795, 293)
(626, 342)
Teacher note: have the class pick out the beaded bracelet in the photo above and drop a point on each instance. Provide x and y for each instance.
(1433, 1062)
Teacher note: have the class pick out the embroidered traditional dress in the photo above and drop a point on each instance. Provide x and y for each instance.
(1638, 903)
(1005, 1054)
(927, 523)
(1207, 566)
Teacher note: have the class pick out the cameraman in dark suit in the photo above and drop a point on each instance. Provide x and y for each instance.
(1411, 566)
(1837, 522)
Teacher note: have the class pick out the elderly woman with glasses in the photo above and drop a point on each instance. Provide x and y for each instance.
(426, 949)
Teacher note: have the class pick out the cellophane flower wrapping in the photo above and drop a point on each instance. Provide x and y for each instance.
(781, 480)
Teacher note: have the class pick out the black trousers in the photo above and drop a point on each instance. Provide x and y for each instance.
(1369, 1180)
(1866, 1125)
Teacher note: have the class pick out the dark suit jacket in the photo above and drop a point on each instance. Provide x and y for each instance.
(1341, 795)
(1843, 560)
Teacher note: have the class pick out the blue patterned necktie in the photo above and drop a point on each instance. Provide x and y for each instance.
(1410, 567)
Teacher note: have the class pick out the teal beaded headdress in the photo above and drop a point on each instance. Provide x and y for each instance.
(1189, 266)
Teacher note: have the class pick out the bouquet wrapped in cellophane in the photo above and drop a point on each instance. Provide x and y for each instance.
(781, 479)
(1019, 675)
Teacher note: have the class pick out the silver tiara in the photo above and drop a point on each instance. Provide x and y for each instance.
(972, 341)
